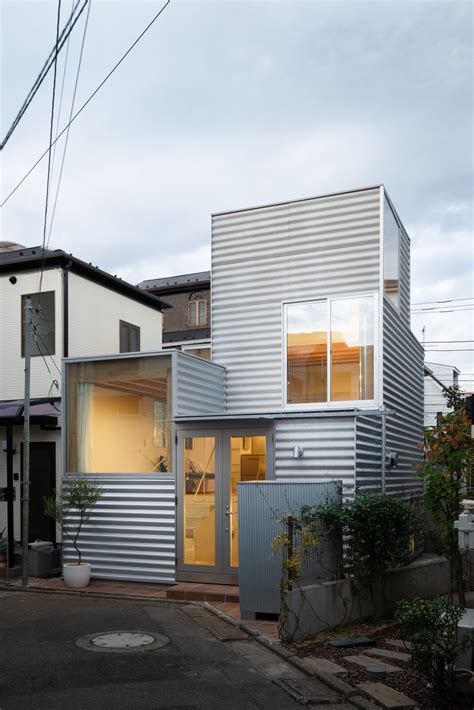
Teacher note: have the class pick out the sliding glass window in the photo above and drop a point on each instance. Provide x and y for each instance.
(330, 350)
(352, 349)
(307, 356)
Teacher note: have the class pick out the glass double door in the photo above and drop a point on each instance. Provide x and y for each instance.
(210, 465)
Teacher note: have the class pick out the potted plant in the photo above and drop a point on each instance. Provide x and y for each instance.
(75, 501)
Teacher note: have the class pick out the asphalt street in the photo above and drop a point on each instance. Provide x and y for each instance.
(42, 668)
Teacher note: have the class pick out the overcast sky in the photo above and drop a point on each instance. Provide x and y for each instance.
(225, 105)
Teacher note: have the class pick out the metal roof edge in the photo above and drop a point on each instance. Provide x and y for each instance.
(300, 199)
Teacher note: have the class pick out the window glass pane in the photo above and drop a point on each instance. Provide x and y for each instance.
(200, 500)
(391, 248)
(202, 312)
(307, 352)
(134, 339)
(192, 313)
(123, 337)
(119, 416)
(43, 317)
(247, 463)
(352, 349)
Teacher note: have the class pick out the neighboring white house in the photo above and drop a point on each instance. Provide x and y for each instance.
(315, 376)
(78, 310)
(437, 377)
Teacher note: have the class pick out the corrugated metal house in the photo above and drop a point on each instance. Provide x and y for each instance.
(315, 376)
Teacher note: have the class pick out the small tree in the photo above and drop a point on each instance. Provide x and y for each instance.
(431, 629)
(78, 495)
(448, 455)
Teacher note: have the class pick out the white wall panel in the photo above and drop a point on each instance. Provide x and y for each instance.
(200, 386)
(11, 363)
(94, 316)
(263, 257)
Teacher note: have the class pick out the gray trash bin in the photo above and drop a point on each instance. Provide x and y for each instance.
(41, 558)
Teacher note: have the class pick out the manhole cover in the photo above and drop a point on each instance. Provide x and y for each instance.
(125, 639)
(122, 641)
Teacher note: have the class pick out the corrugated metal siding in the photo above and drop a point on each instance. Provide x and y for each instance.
(261, 506)
(266, 256)
(403, 392)
(404, 277)
(369, 453)
(329, 450)
(130, 534)
(200, 387)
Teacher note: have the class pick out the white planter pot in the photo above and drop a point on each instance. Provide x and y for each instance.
(77, 576)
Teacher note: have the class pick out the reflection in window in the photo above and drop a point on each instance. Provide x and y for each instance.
(352, 349)
(119, 416)
(343, 327)
(391, 251)
(42, 341)
(307, 352)
(200, 500)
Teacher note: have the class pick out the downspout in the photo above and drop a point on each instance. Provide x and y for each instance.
(66, 309)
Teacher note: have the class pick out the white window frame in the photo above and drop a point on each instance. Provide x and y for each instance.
(328, 405)
(196, 302)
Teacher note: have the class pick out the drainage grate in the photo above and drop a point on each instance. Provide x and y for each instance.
(122, 641)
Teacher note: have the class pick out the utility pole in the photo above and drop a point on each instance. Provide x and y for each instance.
(423, 330)
(25, 483)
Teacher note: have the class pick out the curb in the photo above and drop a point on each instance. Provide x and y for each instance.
(349, 693)
(93, 595)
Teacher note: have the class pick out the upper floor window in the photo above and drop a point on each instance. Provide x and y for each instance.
(391, 255)
(197, 310)
(129, 337)
(330, 350)
(43, 333)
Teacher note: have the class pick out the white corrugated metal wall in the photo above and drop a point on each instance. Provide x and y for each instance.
(263, 257)
(329, 449)
(200, 386)
(369, 453)
(131, 531)
(403, 392)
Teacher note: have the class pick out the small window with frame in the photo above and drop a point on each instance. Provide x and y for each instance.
(197, 310)
(129, 337)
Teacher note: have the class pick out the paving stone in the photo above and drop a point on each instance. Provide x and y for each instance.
(336, 683)
(398, 643)
(324, 665)
(387, 697)
(367, 662)
(310, 690)
(395, 655)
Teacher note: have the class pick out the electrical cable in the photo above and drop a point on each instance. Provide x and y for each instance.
(449, 300)
(69, 124)
(66, 31)
(53, 160)
(50, 145)
(12, 192)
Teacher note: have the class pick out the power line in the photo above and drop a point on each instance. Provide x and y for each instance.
(432, 342)
(69, 124)
(67, 29)
(88, 100)
(448, 300)
(62, 93)
(50, 144)
(460, 350)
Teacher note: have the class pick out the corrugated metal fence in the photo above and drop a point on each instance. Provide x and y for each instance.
(261, 507)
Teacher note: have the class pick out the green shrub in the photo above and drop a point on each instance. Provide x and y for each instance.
(431, 628)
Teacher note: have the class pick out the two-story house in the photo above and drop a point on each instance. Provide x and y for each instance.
(315, 376)
(78, 309)
(187, 323)
(437, 378)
